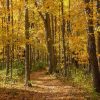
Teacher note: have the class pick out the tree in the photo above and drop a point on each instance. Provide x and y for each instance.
(49, 39)
(12, 45)
(8, 46)
(27, 46)
(63, 37)
(98, 26)
(49, 43)
(91, 45)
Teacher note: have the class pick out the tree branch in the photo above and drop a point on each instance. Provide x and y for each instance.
(40, 13)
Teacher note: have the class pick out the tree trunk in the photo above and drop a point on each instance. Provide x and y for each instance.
(12, 49)
(59, 37)
(49, 43)
(3, 49)
(49, 39)
(92, 46)
(63, 37)
(27, 61)
(54, 39)
(8, 46)
(30, 57)
(98, 26)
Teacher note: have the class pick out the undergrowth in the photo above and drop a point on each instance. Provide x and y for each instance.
(79, 78)
(18, 72)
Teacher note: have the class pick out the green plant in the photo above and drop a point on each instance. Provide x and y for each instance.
(38, 66)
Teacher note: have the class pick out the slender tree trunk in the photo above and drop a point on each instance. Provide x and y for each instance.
(63, 37)
(38, 51)
(55, 50)
(98, 26)
(3, 49)
(34, 56)
(3, 65)
(59, 36)
(68, 21)
(8, 46)
(30, 57)
(91, 45)
(12, 49)
(27, 61)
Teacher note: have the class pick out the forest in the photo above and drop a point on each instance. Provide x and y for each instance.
(49, 49)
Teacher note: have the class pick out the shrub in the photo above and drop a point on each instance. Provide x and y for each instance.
(38, 66)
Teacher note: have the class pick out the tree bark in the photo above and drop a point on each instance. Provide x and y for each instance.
(49, 44)
(98, 26)
(63, 37)
(12, 49)
(27, 47)
(8, 46)
(91, 45)
(54, 39)
(49, 39)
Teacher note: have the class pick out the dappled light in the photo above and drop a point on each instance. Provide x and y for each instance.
(49, 49)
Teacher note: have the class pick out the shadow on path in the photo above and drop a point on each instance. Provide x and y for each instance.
(45, 87)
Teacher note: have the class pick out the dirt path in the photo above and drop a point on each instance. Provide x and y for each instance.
(45, 87)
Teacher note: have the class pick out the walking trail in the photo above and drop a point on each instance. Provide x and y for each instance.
(44, 87)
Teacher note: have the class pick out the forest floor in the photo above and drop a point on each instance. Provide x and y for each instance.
(44, 87)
